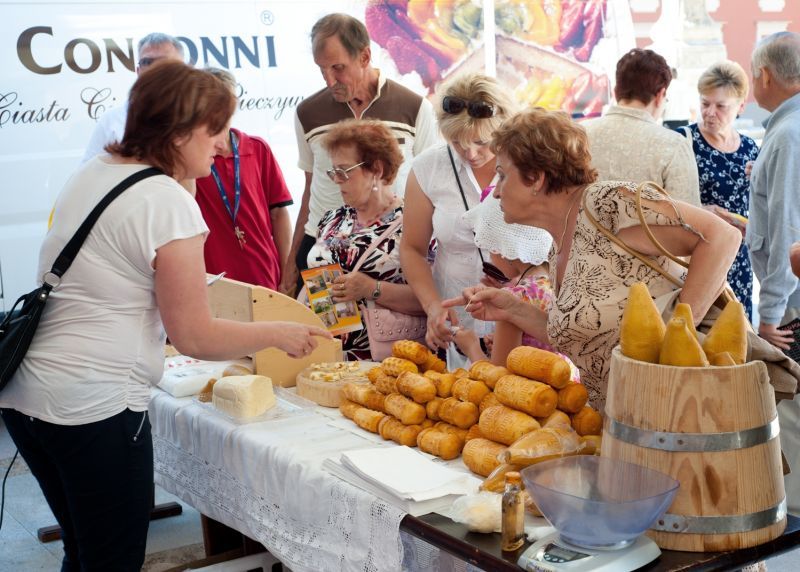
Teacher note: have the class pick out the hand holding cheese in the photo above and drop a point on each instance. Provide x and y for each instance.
(243, 395)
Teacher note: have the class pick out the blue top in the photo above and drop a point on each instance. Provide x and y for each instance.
(775, 212)
(724, 183)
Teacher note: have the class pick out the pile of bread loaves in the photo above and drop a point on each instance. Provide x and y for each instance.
(498, 418)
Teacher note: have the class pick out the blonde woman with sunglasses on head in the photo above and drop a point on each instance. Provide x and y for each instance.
(445, 181)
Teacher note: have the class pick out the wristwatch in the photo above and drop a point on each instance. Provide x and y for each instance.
(377, 292)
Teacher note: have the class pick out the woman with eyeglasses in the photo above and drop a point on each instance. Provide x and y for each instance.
(365, 159)
(446, 181)
(546, 180)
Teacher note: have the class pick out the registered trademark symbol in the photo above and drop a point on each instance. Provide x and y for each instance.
(267, 18)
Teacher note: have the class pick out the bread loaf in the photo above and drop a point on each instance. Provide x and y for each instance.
(473, 390)
(572, 397)
(445, 427)
(348, 408)
(365, 395)
(433, 363)
(489, 401)
(587, 421)
(591, 444)
(539, 365)
(412, 351)
(443, 382)
(384, 383)
(432, 408)
(368, 419)
(392, 429)
(532, 397)
(505, 425)
(408, 412)
(460, 372)
(463, 414)
(556, 419)
(480, 456)
(416, 386)
(487, 372)
(445, 445)
(474, 432)
(395, 366)
(374, 373)
(541, 445)
(243, 395)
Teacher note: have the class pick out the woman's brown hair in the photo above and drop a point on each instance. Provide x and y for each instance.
(373, 142)
(168, 102)
(549, 142)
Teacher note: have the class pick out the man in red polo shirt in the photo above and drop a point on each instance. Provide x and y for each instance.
(244, 203)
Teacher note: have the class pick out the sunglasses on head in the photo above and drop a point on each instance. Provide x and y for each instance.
(493, 271)
(476, 109)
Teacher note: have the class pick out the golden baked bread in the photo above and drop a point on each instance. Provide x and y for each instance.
(587, 421)
(473, 390)
(487, 372)
(532, 397)
(444, 445)
(463, 414)
(392, 429)
(572, 397)
(412, 351)
(542, 445)
(364, 394)
(404, 409)
(539, 365)
(395, 366)
(416, 386)
(505, 425)
(481, 456)
(443, 382)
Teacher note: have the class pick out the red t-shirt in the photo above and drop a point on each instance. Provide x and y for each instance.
(262, 188)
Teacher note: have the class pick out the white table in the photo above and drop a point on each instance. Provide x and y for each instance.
(265, 480)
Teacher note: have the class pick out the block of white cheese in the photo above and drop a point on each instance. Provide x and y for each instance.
(243, 395)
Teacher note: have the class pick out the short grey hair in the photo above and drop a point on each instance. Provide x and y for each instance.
(156, 39)
(780, 53)
(222, 74)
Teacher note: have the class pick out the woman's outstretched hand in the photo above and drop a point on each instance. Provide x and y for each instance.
(299, 340)
(484, 303)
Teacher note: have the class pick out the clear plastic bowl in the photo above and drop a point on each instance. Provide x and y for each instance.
(597, 502)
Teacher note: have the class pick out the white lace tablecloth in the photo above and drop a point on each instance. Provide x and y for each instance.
(265, 480)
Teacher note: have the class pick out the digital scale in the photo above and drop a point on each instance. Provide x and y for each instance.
(553, 554)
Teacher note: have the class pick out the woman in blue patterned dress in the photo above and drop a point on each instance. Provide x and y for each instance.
(722, 156)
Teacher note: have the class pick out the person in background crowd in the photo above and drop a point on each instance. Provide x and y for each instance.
(722, 155)
(627, 143)
(547, 181)
(244, 203)
(446, 181)
(366, 158)
(355, 89)
(77, 406)
(774, 223)
(680, 108)
(111, 125)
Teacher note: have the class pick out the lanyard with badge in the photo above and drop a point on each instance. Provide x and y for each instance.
(237, 191)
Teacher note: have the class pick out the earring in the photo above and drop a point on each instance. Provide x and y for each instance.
(375, 185)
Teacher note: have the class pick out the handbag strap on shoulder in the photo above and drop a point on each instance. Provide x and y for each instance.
(461, 190)
(376, 243)
(70, 251)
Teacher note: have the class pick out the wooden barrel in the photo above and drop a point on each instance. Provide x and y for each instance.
(715, 430)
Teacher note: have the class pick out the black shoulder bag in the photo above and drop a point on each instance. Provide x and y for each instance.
(19, 325)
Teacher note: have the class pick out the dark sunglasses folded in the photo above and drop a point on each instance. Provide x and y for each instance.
(476, 109)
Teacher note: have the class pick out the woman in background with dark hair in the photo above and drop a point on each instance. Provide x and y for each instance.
(629, 144)
(77, 406)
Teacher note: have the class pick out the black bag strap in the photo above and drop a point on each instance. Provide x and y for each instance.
(70, 251)
(461, 190)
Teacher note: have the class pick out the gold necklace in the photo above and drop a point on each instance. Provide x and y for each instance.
(566, 219)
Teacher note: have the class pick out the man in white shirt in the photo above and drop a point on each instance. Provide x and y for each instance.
(111, 125)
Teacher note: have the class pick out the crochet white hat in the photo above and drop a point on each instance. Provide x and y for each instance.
(511, 241)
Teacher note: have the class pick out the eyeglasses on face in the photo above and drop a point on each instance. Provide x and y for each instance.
(476, 109)
(341, 174)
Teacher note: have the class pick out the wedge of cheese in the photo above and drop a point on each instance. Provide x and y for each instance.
(243, 395)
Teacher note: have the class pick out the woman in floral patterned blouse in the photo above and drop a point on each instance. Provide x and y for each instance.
(546, 180)
(365, 157)
(722, 155)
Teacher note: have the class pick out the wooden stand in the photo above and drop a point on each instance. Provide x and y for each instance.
(247, 303)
